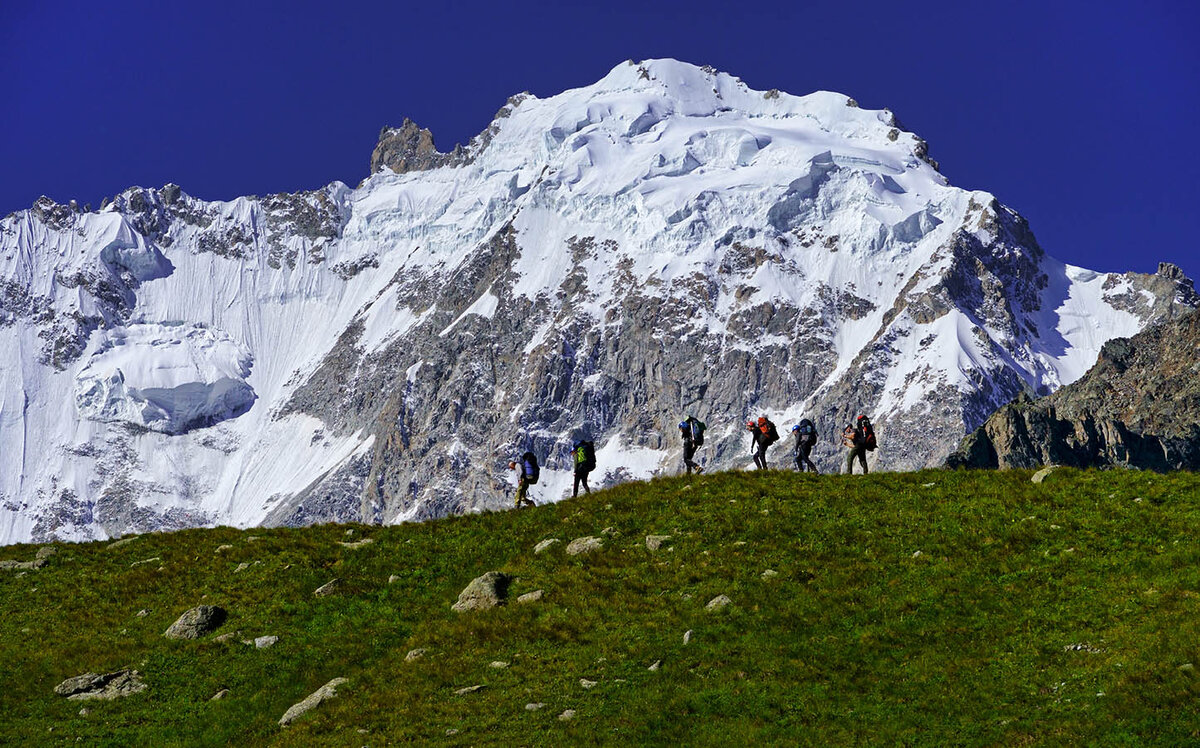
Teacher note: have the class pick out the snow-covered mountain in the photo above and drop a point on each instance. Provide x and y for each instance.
(601, 263)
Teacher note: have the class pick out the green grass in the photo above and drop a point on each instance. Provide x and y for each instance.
(930, 608)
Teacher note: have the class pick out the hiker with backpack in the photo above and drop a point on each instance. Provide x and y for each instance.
(806, 439)
(583, 454)
(692, 431)
(527, 475)
(858, 439)
(764, 434)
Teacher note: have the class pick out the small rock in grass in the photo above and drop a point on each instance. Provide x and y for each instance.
(45, 552)
(415, 654)
(533, 707)
(121, 543)
(227, 637)
(393, 579)
(196, 622)
(687, 636)
(451, 731)
(654, 668)
(223, 548)
(654, 542)
(769, 573)
(332, 587)
(567, 715)
(358, 543)
(916, 554)
(1187, 667)
(498, 664)
(468, 689)
(220, 694)
(263, 642)
(313, 700)
(584, 545)
(253, 538)
(143, 613)
(587, 683)
(37, 563)
(1042, 474)
(83, 712)
(545, 544)
(531, 597)
(242, 567)
(718, 602)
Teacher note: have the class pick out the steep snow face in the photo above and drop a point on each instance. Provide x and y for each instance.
(594, 264)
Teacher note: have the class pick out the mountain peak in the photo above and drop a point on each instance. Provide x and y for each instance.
(663, 240)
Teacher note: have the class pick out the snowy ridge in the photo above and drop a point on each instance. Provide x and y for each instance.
(664, 240)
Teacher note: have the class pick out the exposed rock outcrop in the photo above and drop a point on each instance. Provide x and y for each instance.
(105, 687)
(1138, 407)
(410, 147)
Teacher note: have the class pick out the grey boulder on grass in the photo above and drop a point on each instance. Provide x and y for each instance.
(483, 592)
(196, 622)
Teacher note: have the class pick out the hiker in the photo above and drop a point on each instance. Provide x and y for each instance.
(692, 431)
(527, 474)
(859, 439)
(583, 454)
(806, 439)
(764, 434)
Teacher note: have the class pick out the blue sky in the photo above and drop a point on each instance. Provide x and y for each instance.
(1084, 117)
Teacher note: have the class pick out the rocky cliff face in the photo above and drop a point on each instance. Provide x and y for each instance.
(1139, 407)
(600, 263)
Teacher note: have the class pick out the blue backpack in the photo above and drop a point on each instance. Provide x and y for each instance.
(529, 465)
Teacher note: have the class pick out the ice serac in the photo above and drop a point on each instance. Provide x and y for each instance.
(666, 241)
(168, 378)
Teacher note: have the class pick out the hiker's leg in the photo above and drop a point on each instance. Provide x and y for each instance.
(850, 461)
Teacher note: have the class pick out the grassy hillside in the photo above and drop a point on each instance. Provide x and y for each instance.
(931, 608)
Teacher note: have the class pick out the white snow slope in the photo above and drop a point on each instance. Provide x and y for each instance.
(153, 346)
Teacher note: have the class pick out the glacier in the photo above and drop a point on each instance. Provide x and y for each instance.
(595, 264)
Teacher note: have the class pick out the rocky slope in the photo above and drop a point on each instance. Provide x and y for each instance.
(599, 263)
(1139, 407)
